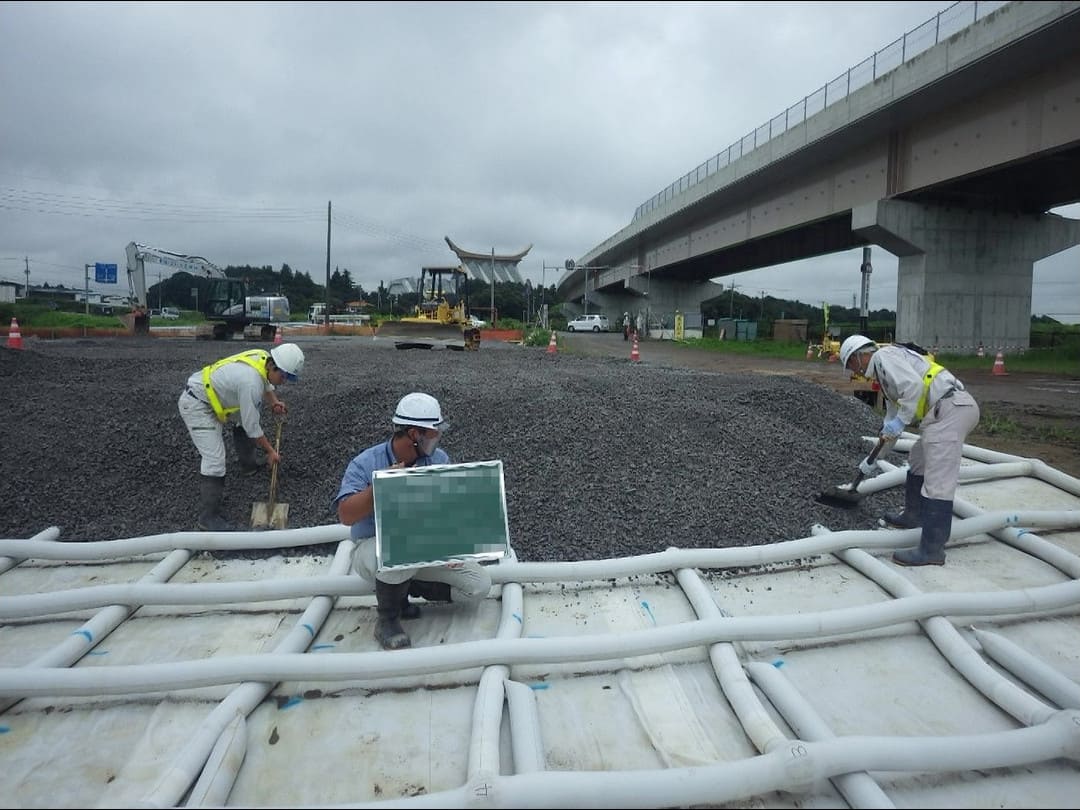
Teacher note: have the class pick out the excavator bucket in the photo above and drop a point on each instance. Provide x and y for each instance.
(423, 333)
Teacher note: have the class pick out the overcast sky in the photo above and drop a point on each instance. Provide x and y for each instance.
(223, 130)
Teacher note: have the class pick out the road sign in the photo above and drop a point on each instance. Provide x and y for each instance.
(570, 265)
(105, 273)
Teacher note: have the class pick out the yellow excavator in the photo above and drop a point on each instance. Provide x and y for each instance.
(441, 316)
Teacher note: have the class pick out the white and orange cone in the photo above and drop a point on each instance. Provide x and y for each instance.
(552, 348)
(14, 338)
(999, 365)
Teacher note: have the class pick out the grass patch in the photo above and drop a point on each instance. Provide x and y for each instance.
(993, 424)
(997, 424)
(1062, 361)
(755, 348)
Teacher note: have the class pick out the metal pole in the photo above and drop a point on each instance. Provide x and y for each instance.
(86, 281)
(326, 306)
(864, 311)
(493, 288)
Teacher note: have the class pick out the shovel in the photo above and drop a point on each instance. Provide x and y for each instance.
(849, 498)
(271, 515)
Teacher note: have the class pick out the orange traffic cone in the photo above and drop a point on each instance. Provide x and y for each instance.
(14, 338)
(999, 364)
(552, 348)
(635, 355)
(809, 351)
(981, 352)
(277, 337)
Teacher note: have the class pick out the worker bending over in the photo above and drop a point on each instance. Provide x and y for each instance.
(919, 392)
(231, 391)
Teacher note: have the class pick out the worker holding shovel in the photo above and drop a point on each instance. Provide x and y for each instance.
(919, 391)
(232, 390)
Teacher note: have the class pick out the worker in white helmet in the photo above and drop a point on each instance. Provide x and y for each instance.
(232, 391)
(919, 392)
(418, 425)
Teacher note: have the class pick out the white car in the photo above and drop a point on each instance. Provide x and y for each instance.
(477, 323)
(589, 323)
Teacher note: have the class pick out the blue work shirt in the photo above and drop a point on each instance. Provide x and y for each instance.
(360, 471)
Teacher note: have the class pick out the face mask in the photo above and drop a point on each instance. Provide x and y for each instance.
(425, 445)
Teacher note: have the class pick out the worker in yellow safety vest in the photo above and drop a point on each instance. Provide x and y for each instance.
(231, 391)
(919, 392)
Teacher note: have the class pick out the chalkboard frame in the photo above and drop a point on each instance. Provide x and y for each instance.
(440, 513)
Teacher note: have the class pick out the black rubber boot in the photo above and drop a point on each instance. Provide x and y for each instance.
(211, 494)
(245, 451)
(408, 609)
(431, 591)
(388, 630)
(936, 527)
(911, 515)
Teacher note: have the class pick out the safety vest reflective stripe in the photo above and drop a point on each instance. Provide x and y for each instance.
(256, 358)
(928, 378)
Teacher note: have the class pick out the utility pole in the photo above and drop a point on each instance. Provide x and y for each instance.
(492, 287)
(158, 291)
(326, 307)
(86, 284)
(27, 260)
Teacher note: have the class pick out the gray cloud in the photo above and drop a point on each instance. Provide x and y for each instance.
(223, 129)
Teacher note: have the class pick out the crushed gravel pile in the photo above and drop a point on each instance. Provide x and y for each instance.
(602, 457)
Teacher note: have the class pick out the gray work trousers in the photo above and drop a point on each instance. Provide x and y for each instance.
(468, 580)
(937, 453)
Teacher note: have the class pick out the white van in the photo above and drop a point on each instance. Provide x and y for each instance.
(589, 323)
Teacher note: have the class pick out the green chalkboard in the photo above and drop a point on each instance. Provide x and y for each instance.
(444, 512)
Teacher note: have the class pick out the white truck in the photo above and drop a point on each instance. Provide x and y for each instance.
(317, 314)
(266, 308)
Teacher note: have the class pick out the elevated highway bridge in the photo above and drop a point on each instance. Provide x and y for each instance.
(948, 149)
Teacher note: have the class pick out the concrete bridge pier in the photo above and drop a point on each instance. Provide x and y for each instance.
(964, 276)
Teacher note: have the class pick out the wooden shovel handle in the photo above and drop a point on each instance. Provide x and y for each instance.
(274, 467)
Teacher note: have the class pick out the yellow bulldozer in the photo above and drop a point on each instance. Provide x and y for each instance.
(440, 319)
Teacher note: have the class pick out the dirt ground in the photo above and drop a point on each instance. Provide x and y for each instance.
(1024, 414)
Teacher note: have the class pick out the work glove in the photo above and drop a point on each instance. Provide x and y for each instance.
(867, 467)
(892, 428)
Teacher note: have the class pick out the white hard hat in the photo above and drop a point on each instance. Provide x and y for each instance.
(852, 345)
(421, 410)
(289, 359)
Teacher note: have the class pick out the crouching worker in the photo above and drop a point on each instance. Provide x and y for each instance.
(417, 427)
(919, 392)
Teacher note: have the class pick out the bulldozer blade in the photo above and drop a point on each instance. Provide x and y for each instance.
(266, 516)
(428, 334)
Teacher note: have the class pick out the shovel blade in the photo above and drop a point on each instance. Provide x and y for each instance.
(263, 516)
(844, 498)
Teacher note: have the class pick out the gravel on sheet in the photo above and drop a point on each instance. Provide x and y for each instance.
(602, 457)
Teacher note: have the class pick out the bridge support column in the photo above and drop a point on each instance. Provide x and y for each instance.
(964, 276)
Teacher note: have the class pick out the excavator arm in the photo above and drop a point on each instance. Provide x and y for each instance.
(137, 257)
